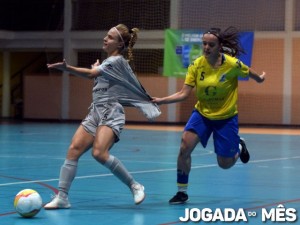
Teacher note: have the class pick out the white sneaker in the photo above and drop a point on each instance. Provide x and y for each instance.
(58, 203)
(138, 193)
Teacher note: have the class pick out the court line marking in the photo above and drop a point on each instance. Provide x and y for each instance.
(243, 130)
(148, 171)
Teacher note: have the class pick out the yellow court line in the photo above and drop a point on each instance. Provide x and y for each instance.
(259, 130)
(252, 130)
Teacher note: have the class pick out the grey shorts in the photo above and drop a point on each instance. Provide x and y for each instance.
(110, 114)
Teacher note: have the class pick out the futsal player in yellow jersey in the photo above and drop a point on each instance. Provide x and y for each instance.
(216, 89)
(214, 75)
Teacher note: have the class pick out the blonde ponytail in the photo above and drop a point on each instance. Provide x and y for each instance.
(132, 41)
(129, 38)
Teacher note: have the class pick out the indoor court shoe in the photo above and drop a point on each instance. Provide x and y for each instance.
(179, 198)
(138, 193)
(244, 155)
(58, 203)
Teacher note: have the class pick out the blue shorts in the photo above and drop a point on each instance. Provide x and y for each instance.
(225, 133)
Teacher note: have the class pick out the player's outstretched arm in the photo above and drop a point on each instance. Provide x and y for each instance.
(78, 71)
(259, 78)
(177, 97)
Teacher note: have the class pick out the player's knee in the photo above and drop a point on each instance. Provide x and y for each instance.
(74, 152)
(225, 166)
(225, 163)
(100, 155)
(185, 149)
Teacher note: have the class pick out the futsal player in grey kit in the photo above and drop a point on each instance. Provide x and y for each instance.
(115, 86)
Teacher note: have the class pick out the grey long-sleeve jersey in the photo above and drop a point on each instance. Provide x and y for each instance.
(117, 82)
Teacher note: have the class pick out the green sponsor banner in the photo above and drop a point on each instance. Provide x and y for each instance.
(181, 48)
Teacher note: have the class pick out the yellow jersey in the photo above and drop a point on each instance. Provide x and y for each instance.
(216, 89)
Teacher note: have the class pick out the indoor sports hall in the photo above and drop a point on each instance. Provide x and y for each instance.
(41, 109)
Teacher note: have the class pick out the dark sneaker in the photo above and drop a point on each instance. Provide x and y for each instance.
(179, 198)
(244, 155)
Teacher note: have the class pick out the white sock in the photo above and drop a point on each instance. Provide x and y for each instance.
(119, 170)
(67, 175)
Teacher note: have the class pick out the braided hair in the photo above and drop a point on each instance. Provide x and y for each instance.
(229, 39)
(129, 38)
